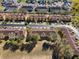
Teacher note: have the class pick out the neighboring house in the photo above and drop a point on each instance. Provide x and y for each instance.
(35, 17)
(11, 33)
(64, 18)
(12, 16)
(42, 30)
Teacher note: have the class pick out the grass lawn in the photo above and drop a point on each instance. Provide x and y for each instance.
(1, 8)
(21, 0)
(75, 1)
(0, 0)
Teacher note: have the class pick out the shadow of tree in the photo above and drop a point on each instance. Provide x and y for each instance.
(12, 47)
(45, 46)
(28, 47)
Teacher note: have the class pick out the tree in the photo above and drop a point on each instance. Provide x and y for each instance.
(6, 38)
(28, 38)
(18, 1)
(68, 52)
(14, 11)
(75, 20)
(26, 23)
(3, 23)
(35, 37)
(53, 36)
(75, 12)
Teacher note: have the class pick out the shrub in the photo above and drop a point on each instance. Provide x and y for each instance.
(28, 47)
(14, 47)
(6, 38)
(35, 37)
(45, 46)
(75, 57)
(7, 46)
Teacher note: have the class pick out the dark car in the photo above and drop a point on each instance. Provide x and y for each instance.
(41, 9)
(54, 9)
(27, 8)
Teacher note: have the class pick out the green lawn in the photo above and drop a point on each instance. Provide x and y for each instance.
(21, 0)
(0, 0)
(1, 8)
